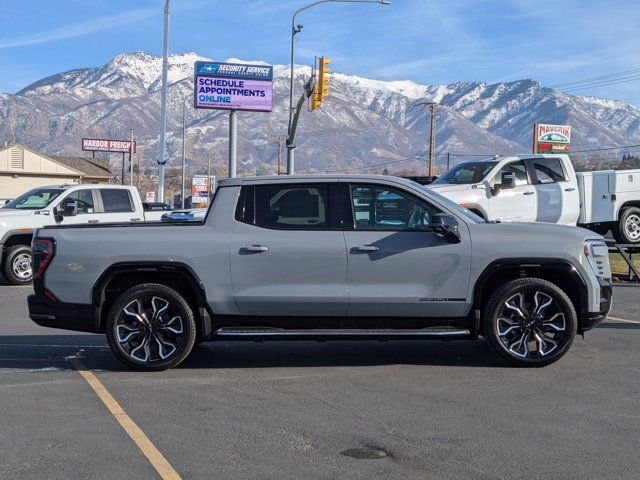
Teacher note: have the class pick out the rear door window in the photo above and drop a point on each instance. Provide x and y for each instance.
(289, 207)
(116, 200)
(548, 170)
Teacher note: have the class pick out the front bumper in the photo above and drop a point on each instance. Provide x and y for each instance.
(591, 320)
(68, 316)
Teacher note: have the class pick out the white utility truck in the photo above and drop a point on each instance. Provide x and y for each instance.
(56, 205)
(546, 188)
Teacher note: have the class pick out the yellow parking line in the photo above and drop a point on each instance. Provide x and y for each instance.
(148, 449)
(623, 320)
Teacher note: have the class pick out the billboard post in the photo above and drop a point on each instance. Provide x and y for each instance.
(233, 87)
(233, 142)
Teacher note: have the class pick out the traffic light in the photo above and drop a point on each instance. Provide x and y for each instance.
(321, 90)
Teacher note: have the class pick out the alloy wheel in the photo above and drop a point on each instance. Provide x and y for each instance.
(21, 266)
(531, 324)
(149, 329)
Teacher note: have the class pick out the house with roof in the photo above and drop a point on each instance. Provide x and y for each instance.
(22, 169)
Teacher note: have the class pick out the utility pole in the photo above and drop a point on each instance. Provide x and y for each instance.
(448, 158)
(432, 137)
(432, 134)
(163, 114)
(279, 139)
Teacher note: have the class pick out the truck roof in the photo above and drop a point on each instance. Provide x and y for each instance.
(228, 182)
(517, 155)
(67, 186)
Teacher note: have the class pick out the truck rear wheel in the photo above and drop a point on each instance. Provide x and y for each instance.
(530, 322)
(151, 327)
(18, 268)
(627, 230)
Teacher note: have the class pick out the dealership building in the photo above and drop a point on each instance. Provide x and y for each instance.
(22, 169)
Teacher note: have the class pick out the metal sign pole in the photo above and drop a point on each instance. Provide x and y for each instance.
(131, 158)
(233, 142)
(122, 178)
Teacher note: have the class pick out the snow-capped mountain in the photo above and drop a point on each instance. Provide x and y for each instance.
(364, 122)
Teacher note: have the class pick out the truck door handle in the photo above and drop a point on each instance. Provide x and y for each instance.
(134, 219)
(365, 248)
(254, 249)
(528, 193)
(570, 189)
(93, 221)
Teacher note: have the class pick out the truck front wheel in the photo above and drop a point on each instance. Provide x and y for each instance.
(627, 230)
(151, 327)
(530, 322)
(18, 265)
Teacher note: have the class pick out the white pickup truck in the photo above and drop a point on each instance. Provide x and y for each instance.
(56, 205)
(546, 188)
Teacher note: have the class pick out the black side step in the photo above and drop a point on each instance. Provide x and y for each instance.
(256, 333)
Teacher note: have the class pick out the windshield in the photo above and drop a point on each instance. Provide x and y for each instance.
(466, 173)
(451, 205)
(34, 199)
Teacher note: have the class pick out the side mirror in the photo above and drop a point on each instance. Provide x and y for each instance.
(507, 181)
(70, 208)
(446, 226)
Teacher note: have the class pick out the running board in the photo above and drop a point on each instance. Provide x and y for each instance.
(276, 333)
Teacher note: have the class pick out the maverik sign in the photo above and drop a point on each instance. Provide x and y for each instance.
(100, 145)
(233, 86)
(551, 138)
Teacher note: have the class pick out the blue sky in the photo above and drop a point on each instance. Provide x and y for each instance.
(429, 41)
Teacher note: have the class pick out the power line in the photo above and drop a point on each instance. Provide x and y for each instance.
(603, 84)
(622, 147)
(591, 79)
(366, 167)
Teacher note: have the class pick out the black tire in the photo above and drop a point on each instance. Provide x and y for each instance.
(18, 265)
(155, 324)
(549, 329)
(627, 230)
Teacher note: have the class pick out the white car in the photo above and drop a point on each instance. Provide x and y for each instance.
(546, 188)
(56, 205)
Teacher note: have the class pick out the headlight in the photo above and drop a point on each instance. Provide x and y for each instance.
(597, 253)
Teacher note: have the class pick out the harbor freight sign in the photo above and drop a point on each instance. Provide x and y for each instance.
(551, 138)
(233, 86)
(100, 145)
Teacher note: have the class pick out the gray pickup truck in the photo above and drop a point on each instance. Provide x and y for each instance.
(322, 257)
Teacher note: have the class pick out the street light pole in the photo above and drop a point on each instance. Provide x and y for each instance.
(163, 114)
(295, 29)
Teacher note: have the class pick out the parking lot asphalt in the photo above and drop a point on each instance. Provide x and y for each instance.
(442, 410)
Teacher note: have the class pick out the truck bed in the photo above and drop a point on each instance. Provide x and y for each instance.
(603, 192)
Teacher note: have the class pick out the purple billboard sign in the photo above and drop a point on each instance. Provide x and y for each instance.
(233, 87)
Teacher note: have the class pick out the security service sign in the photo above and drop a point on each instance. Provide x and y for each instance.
(101, 145)
(233, 86)
(551, 138)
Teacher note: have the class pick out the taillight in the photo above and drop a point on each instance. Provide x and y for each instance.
(43, 250)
